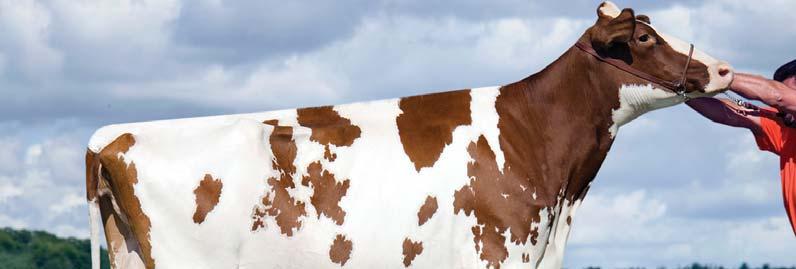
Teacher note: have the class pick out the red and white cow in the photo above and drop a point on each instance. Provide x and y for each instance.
(477, 178)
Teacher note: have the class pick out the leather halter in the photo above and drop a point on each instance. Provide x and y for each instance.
(678, 86)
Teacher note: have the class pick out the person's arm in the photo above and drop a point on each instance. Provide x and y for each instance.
(770, 92)
(765, 126)
(726, 112)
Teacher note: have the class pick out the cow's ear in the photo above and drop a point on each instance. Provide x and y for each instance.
(612, 25)
(644, 18)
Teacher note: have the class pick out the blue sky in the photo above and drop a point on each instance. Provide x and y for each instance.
(675, 188)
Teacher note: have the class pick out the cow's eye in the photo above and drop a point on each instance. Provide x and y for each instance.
(644, 38)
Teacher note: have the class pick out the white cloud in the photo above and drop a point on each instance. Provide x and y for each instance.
(438, 54)
(290, 81)
(115, 40)
(752, 35)
(67, 203)
(70, 231)
(2, 64)
(635, 230)
(8, 190)
(619, 219)
(64, 155)
(33, 153)
(643, 126)
(25, 25)
(8, 154)
(100, 23)
(767, 237)
(674, 21)
(45, 189)
(8, 221)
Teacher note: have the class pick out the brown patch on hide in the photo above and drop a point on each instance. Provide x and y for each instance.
(328, 155)
(122, 179)
(327, 192)
(526, 258)
(340, 251)
(500, 202)
(411, 250)
(92, 174)
(207, 194)
(328, 127)
(258, 217)
(427, 123)
(427, 210)
(278, 203)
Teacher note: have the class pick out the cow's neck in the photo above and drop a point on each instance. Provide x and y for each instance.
(563, 118)
(555, 131)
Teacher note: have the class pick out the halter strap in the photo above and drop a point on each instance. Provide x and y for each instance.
(681, 84)
(676, 86)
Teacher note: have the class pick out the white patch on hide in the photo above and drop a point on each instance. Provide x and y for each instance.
(635, 100)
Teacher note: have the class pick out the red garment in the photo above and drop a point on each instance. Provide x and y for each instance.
(781, 140)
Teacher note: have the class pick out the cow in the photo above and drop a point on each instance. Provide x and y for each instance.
(477, 178)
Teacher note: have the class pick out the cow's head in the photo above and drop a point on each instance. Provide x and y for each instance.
(624, 36)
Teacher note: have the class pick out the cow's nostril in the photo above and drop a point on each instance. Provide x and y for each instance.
(723, 71)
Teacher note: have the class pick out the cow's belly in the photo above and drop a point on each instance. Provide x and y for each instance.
(381, 203)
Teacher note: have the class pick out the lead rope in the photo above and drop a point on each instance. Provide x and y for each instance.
(741, 102)
(787, 119)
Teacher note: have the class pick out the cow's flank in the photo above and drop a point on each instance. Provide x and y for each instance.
(427, 123)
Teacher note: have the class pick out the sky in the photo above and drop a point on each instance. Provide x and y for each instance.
(675, 188)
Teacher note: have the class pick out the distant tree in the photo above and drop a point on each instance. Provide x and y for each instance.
(21, 249)
(744, 266)
(697, 266)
